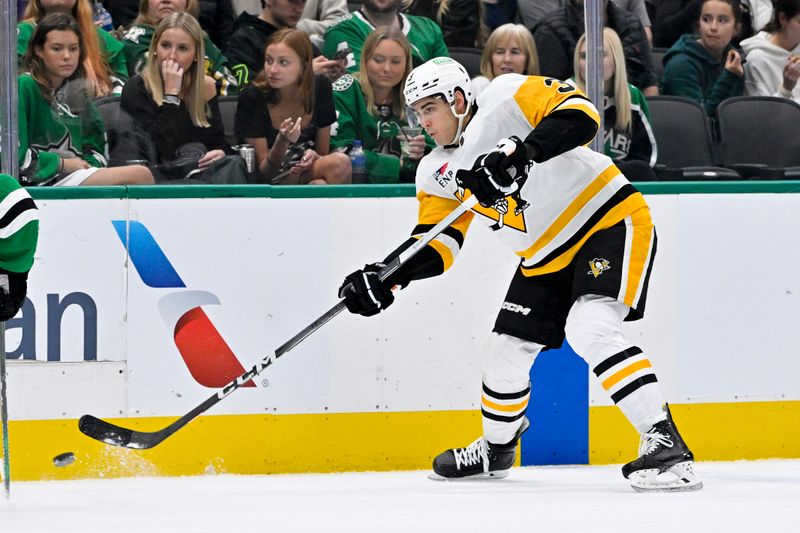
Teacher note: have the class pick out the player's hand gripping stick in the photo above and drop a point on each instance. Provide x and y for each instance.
(495, 174)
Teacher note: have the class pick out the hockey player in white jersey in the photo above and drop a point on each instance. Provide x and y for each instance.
(586, 245)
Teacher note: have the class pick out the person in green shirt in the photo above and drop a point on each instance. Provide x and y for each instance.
(349, 33)
(62, 139)
(17, 244)
(137, 38)
(104, 63)
(370, 107)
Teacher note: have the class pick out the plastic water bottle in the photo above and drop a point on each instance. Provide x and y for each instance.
(359, 162)
(102, 16)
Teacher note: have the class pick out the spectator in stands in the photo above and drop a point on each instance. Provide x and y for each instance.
(673, 18)
(286, 114)
(370, 107)
(319, 15)
(629, 137)
(246, 46)
(510, 48)
(61, 135)
(557, 33)
(459, 20)
(499, 12)
(350, 32)
(773, 55)
(174, 102)
(104, 63)
(216, 18)
(137, 40)
(707, 69)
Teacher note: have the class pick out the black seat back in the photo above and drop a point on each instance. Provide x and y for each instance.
(126, 141)
(469, 57)
(761, 130)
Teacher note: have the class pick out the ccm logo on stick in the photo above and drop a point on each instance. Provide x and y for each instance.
(516, 308)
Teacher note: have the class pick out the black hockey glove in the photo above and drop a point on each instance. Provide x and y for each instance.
(509, 161)
(493, 175)
(13, 288)
(364, 293)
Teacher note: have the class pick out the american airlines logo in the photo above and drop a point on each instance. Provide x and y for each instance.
(516, 308)
(207, 355)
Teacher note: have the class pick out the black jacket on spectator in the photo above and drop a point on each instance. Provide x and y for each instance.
(216, 18)
(461, 24)
(558, 32)
(122, 11)
(245, 51)
(170, 126)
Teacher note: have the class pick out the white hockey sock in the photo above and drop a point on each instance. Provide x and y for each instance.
(594, 332)
(506, 386)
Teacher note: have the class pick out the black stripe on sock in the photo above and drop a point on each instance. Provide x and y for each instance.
(501, 418)
(630, 387)
(505, 395)
(616, 359)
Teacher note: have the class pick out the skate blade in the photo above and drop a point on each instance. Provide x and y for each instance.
(678, 478)
(483, 476)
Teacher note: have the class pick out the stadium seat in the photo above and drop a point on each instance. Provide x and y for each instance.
(126, 142)
(760, 136)
(685, 150)
(658, 61)
(227, 108)
(469, 57)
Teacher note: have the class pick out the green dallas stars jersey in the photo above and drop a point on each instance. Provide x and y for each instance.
(379, 137)
(19, 226)
(112, 48)
(50, 130)
(136, 42)
(351, 31)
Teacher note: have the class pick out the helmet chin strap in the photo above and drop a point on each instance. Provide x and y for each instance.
(456, 142)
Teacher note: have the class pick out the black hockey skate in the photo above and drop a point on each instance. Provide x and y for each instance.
(479, 460)
(665, 462)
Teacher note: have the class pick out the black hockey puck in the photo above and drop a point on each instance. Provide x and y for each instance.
(64, 459)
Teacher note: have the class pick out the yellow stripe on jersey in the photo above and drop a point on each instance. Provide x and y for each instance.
(614, 215)
(538, 96)
(432, 209)
(625, 372)
(640, 250)
(571, 211)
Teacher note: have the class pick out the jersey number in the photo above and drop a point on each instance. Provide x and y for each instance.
(562, 87)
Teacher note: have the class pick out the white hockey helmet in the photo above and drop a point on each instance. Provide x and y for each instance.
(440, 76)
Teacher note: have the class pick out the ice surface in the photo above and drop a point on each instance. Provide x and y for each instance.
(753, 496)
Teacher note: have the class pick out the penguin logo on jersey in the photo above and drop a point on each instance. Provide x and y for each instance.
(506, 212)
(597, 266)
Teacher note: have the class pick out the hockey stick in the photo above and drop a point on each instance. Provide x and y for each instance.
(109, 433)
(4, 412)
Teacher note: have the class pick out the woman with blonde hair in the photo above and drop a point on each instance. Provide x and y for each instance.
(510, 48)
(174, 102)
(104, 63)
(62, 140)
(371, 108)
(138, 36)
(629, 137)
(286, 114)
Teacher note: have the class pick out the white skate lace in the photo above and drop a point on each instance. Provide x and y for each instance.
(472, 454)
(650, 441)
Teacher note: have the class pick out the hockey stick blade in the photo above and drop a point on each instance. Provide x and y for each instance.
(114, 435)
